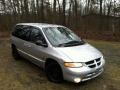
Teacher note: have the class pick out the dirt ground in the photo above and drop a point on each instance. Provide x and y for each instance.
(23, 75)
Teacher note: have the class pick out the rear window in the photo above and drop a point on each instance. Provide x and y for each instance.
(22, 32)
(17, 30)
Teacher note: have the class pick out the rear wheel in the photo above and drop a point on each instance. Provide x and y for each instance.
(54, 72)
(15, 53)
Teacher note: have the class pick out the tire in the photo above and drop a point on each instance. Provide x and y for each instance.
(15, 53)
(54, 72)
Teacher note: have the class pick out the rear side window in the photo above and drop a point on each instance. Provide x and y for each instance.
(17, 30)
(22, 32)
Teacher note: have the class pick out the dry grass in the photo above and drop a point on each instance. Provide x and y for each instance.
(22, 75)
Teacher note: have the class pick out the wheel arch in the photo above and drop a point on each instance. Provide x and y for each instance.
(50, 60)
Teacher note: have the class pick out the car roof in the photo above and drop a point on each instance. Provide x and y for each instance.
(40, 25)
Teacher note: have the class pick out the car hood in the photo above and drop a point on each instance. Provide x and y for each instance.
(81, 53)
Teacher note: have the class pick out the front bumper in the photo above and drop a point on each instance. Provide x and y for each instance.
(92, 75)
(83, 73)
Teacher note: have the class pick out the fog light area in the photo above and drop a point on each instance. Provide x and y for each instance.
(77, 80)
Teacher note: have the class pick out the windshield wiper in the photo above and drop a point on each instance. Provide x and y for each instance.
(71, 43)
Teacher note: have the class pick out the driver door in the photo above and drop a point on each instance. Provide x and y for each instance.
(37, 52)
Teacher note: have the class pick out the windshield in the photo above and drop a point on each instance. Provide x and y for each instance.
(62, 37)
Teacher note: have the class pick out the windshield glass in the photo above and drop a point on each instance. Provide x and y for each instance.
(61, 36)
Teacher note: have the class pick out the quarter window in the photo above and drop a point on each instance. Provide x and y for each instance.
(22, 32)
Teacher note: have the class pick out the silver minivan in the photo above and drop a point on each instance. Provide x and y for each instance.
(61, 53)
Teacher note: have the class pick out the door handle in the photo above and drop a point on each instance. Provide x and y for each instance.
(27, 45)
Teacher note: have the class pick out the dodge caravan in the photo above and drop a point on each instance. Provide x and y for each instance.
(58, 50)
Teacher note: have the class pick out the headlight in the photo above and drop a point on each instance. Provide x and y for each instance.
(73, 64)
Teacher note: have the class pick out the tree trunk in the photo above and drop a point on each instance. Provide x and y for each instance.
(64, 9)
(42, 11)
(101, 3)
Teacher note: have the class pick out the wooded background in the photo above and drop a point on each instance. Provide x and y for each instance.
(96, 19)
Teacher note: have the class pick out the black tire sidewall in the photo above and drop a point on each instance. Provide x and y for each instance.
(54, 66)
(15, 53)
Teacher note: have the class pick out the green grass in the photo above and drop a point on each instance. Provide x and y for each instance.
(22, 75)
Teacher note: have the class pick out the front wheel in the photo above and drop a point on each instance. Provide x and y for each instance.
(54, 72)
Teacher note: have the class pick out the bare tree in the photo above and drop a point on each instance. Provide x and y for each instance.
(42, 11)
(109, 7)
(76, 12)
(101, 6)
(64, 12)
(3, 5)
(69, 12)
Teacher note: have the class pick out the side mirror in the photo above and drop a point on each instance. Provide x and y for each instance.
(40, 43)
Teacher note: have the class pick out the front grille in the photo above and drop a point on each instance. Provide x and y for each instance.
(94, 63)
(90, 62)
(92, 66)
(97, 60)
(98, 63)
